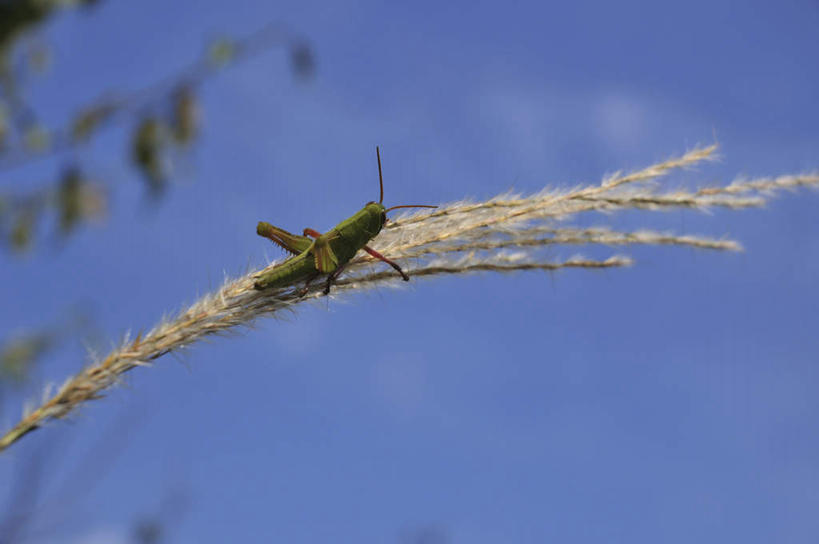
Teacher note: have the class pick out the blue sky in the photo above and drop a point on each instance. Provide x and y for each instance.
(673, 401)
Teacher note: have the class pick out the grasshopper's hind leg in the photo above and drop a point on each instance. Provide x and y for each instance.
(289, 242)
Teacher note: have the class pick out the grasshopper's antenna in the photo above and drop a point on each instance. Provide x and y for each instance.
(381, 183)
(380, 178)
(411, 206)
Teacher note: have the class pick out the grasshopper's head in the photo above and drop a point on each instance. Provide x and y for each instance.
(376, 215)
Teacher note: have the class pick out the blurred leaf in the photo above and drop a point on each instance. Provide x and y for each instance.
(89, 120)
(18, 355)
(93, 201)
(22, 231)
(69, 199)
(15, 17)
(221, 52)
(147, 145)
(4, 126)
(77, 200)
(302, 60)
(186, 115)
(148, 532)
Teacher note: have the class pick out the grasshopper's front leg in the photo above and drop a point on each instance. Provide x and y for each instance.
(380, 257)
(325, 259)
(336, 273)
(331, 279)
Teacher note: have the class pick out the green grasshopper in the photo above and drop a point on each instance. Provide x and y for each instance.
(331, 252)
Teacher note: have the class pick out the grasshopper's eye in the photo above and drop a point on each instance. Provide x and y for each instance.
(383, 218)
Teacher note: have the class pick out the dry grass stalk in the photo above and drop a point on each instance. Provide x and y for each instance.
(454, 239)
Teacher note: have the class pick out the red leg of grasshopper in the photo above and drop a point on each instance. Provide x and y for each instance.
(380, 257)
(332, 277)
(310, 232)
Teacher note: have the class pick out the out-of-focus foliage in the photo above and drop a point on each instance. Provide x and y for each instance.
(23, 225)
(147, 145)
(221, 52)
(17, 16)
(302, 60)
(20, 353)
(4, 126)
(166, 118)
(88, 120)
(148, 532)
(157, 136)
(75, 199)
(185, 116)
(78, 199)
(36, 137)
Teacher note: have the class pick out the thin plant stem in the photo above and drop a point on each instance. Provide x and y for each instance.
(459, 238)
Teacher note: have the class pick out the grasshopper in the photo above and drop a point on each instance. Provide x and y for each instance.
(331, 252)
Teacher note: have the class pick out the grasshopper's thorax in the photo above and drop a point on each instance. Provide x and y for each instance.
(361, 227)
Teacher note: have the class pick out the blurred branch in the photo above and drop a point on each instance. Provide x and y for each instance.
(167, 119)
(175, 90)
(455, 239)
(17, 18)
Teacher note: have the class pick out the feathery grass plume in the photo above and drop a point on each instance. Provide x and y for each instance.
(454, 239)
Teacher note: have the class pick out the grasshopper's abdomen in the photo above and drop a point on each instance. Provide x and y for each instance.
(300, 267)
